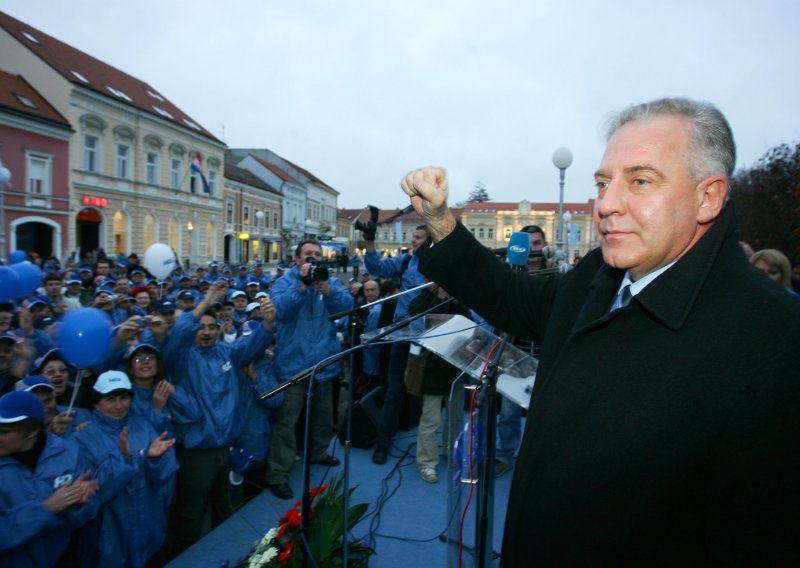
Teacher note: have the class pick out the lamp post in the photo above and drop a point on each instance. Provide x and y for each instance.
(562, 158)
(5, 177)
(567, 218)
(259, 224)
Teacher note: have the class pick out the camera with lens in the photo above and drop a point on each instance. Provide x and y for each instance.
(318, 273)
(369, 228)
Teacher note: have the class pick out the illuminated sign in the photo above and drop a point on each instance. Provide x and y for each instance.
(95, 201)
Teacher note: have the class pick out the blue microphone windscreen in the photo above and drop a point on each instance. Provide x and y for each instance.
(519, 245)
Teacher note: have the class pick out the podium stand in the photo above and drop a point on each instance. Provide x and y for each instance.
(467, 346)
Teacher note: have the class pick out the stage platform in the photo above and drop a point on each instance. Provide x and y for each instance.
(406, 531)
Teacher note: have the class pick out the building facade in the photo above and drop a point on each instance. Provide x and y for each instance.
(253, 221)
(34, 148)
(130, 178)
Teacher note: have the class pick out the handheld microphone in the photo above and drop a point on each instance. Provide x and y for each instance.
(519, 245)
(405, 211)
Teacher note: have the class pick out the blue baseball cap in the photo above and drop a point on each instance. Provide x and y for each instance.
(20, 405)
(32, 382)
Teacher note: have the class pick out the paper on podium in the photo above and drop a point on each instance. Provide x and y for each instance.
(462, 343)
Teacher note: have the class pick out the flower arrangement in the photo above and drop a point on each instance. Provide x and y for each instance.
(282, 546)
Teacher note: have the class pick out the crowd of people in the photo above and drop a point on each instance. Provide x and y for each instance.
(134, 458)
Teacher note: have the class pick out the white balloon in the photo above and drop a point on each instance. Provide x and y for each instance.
(159, 260)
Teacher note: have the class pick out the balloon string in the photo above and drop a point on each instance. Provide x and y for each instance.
(75, 390)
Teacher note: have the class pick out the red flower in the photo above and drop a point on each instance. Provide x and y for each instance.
(293, 518)
(286, 553)
(318, 490)
(281, 531)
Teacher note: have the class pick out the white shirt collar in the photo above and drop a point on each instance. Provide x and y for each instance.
(642, 283)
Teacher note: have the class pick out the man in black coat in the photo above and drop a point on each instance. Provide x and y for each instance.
(664, 426)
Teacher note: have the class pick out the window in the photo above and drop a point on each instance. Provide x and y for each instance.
(191, 124)
(25, 101)
(156, 96)
(79, 76)
(507, 233)
(266, 218)
(120, 232)
(123, 161)
(91, 148)
(229, 214)
(480, 233)
(38, 169)
(246, 215)
(275, 219)
(212, 182)
(472, 230)
(491, 233)
(29, 37)
(211, 241)
(163, 113)
(172, 237)
(194, 179)
(149, 231)
(175, 174)
(119, 94)
(151, 168)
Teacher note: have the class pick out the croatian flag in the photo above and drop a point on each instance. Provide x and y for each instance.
(197, 167)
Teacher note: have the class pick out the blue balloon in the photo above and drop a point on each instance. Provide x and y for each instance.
(30, 277)
(85, 336)
(18, 256)
(9, 284)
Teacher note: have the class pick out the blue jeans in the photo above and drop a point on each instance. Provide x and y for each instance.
(509, 431)
(395, 391)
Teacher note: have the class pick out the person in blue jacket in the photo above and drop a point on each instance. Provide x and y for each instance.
(45, 490)
(209, 371)
(305, 337)
(131, 527)
(403, 266)
(155, 397)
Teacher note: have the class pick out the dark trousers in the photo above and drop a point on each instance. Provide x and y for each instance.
(283, 444)
(202, 481)
(395, 392)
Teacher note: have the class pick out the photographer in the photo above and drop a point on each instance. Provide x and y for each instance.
(304, 297)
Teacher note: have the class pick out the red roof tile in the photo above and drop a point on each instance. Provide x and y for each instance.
(73, 65)
(14, 86)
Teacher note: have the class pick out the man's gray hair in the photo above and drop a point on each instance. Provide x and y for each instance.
(712, 146)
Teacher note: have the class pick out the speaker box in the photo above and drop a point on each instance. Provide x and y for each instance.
(364, 424)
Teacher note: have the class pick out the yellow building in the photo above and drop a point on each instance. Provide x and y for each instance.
(130, 182)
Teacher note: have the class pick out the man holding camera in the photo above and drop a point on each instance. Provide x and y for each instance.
(304, 298)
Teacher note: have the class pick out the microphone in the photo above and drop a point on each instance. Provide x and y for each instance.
(404, 211)
(519, 245)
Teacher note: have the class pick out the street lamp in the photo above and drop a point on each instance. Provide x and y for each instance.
(562, 158)
(5, 177)
(567, 217)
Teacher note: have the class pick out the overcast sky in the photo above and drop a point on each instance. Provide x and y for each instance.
(362, 91)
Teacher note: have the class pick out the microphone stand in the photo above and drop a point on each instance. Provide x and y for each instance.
(306, 375)
(485, 514)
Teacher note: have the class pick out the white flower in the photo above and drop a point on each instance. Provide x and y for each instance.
(255, 560)
(270, 554)
(270, 536)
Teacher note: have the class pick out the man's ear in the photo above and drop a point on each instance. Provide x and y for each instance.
(711, 195)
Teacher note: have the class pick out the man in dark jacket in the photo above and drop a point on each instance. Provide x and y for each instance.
(663, 426)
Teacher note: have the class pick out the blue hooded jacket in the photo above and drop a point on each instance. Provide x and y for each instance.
(257, 413)
(29, 534)
(410, 278)
(305, 336)
(211, 376)
(131, 527)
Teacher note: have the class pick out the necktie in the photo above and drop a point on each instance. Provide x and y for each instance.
(625, 296)
(622, 299)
